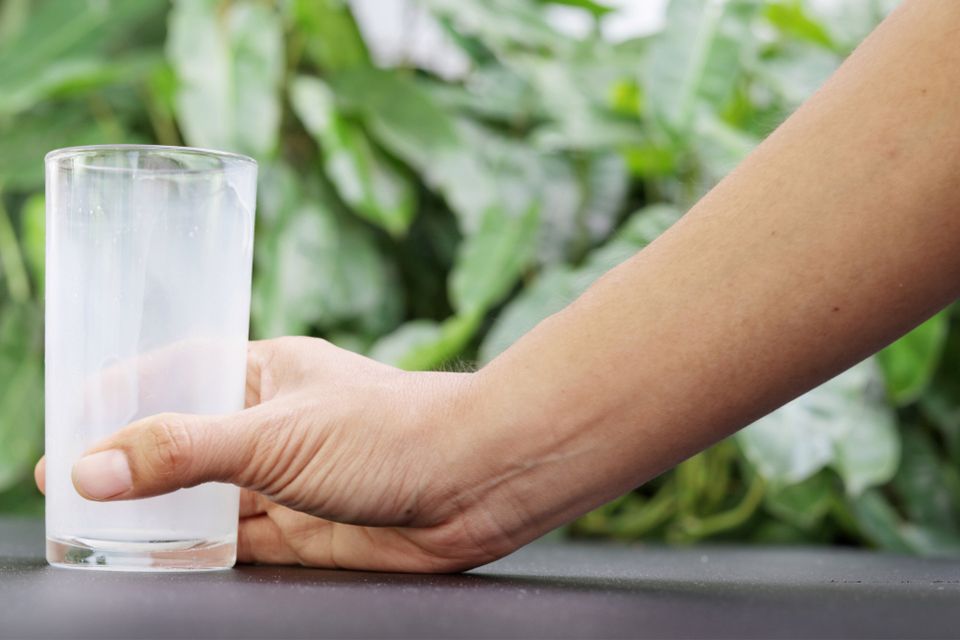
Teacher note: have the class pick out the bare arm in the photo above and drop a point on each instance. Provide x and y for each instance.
(838, 234)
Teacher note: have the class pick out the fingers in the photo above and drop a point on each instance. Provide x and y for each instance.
(252, 503)
(40, 475)
(273, 365)
(260, 540)
(167, 452)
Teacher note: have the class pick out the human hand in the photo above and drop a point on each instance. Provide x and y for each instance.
(344, 462)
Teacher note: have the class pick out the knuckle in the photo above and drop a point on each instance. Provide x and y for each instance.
(294, 347)
(171, 443)
(286, 344)
(268, 450)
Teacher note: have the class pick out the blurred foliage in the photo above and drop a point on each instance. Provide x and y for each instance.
(430, 222)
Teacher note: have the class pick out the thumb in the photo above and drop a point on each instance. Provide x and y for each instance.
(167, 452)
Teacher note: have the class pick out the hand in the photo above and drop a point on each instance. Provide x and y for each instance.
(344, 462)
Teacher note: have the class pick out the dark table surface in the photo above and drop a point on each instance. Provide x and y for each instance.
(545, 590)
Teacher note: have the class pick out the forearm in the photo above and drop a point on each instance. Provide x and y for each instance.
(837, 235)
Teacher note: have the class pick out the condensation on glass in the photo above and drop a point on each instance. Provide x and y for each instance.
(148, 262)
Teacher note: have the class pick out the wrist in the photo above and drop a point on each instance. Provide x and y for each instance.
(544, 446)
(506, 484)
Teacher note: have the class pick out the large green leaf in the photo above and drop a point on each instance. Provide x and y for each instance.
(491, 260)
(557, 287)
(583, 199)
(720, 148)
(791, 18)
(491, 171)
(503, 25)
(803, 504)
(59, 45)
(923, 483)
(72, 76)
(696, 58)
(843, 423)
(411, 124)
(472, 167)
(330, 34)
(941, 402)
(796, 72)
(316, 266)
(27, 138)
(362, 175)
(909, 363)
(230, 100)
(576, 96)
(848, 23)
(425, 344)
(493, 93)
(400, 113)
(882, 525)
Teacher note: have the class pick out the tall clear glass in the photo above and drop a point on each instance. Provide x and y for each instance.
(148, 260)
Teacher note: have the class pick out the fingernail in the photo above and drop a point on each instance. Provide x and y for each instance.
(103, 475)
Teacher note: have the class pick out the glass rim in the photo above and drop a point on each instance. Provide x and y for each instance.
(228, 158)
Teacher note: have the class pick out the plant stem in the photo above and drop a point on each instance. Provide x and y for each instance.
(701, 528)
(642, 519)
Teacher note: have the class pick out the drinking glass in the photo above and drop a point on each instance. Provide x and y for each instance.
(148, 260)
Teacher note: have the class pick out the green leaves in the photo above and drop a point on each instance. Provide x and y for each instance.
(329, 33)
(491, 259)
(21, 395)
(884, 527)
(909, 363)
(928, 487)
(596, 8)
(429, 222)
(34, 236)
(843, 423)
(425, 344)
(231, 100)
(791, 18)
(400, 114)
(693, 60)
(363, 176)
(315, 265)
(56, 48)
(503, 25)
(804, 504)
(11, 260)
(413, 126)
(848, 23)
(796, 72)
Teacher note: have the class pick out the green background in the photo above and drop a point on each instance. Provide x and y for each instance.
(429, 223)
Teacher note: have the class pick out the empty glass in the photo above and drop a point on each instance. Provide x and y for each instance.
(148, 260)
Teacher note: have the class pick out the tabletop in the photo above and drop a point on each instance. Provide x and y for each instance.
(554, 590)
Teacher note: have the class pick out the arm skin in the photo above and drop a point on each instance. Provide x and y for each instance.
(837, 235)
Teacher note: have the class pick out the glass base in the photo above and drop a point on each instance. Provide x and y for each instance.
(159, 555)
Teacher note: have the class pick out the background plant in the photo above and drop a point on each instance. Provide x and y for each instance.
(430, 222)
